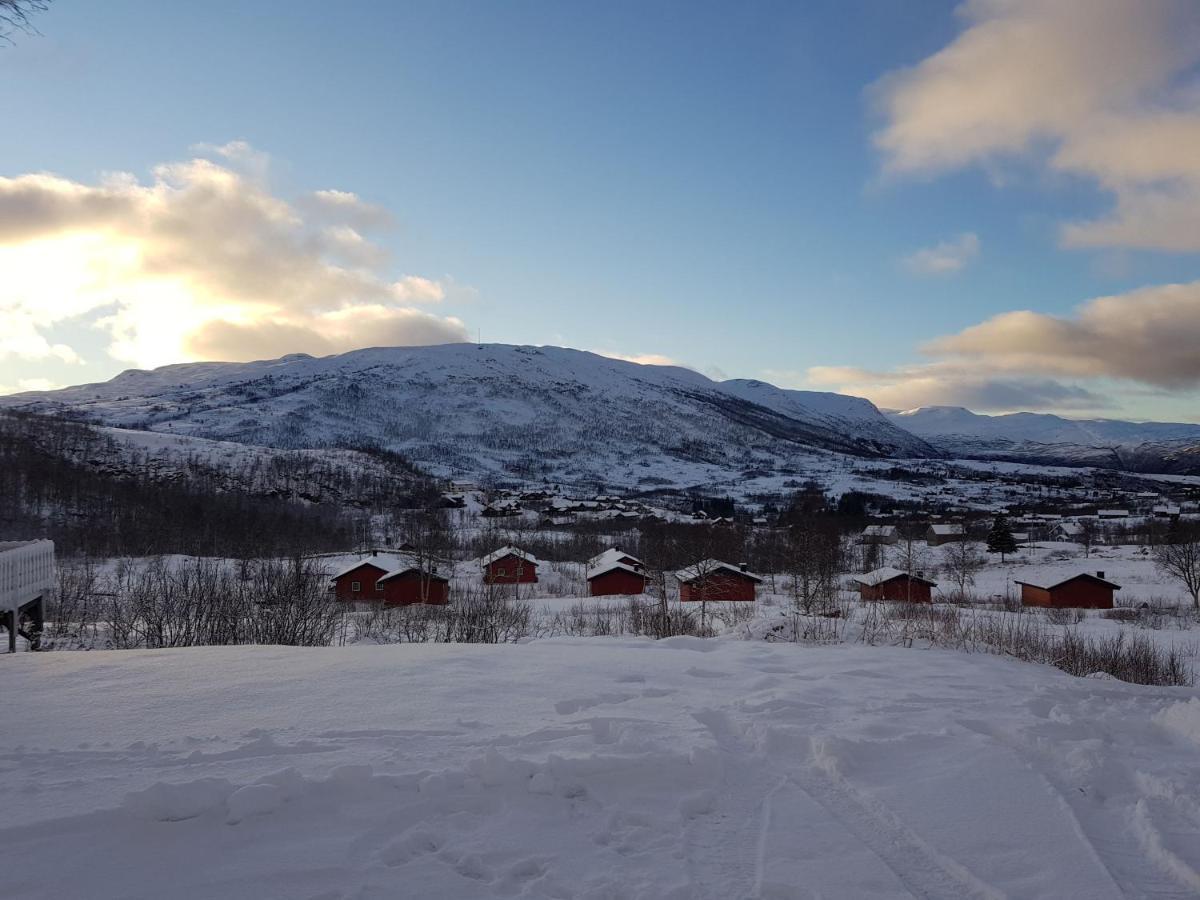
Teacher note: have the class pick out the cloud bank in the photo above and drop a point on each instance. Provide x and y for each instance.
(1014, 360)
(1105, 90)
(203, 261)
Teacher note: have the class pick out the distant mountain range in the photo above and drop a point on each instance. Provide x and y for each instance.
(528, 415)
(1168, 447)
(515, 413)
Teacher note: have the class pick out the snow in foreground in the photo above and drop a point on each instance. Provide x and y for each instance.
(591, 768)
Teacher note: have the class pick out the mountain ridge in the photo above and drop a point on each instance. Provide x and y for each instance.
(1045, 438)
(510, 411)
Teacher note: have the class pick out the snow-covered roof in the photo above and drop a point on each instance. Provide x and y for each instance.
(507, 550)
(379, 561)
(611, 555)
(1088, 575)
(1069, 527)
(404, 570)
(1113, 513)
(612, 566)
(879, 531)
(886, 574)
(710, 566)
(948, 528)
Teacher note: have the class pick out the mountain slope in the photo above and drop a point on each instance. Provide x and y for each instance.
(1169, 447)
(512, 412)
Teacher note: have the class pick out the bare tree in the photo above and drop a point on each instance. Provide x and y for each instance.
(1179, 557)
(814, 562)
(1087, 536)
(961, 560)
(909, 556)
(15, 16)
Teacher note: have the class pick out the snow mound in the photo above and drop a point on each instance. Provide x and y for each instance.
(591, 768)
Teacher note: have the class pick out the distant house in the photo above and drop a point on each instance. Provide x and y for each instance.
(506, 506)
(714, 581)
(879, 534)
(358, 581)
(615, 572)
(1083, 591)
(1066, 531)
(414, 584)
(893, 584)
(509, 565)
(26, 580)
(1112, 513)
(1166, 511)
(944, 534)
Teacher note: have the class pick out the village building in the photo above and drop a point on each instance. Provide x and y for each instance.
(893, 584)
(714, 581)
(939, 534)
(26, 579)
(1066, 531)
(879, 534)
(358, 581)
(1112, 513)
(615, 572)
(1083, 591)
(414, 584)
(505, 506)
(1166, 511)
(509, 565)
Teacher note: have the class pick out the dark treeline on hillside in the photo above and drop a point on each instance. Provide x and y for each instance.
(60, 479)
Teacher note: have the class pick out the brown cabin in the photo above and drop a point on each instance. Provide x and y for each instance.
(615, 572)
(893, 584)
(414, 585)
(1083, 591)
(616, 579)
(509, 565)
(713, 581)
(359, 583)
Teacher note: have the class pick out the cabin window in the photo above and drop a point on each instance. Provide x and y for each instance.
(500, 571)
(356, 586)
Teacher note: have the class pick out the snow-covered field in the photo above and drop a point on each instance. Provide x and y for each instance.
(591, 768)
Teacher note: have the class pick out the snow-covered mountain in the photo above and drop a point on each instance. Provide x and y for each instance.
(1040, 437)
(510, 412)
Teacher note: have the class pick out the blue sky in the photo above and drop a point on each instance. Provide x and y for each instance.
(745, 189)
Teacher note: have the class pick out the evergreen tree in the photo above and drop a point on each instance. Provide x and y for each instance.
(1000, 539)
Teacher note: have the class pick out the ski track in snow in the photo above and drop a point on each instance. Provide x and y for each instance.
(599, 769)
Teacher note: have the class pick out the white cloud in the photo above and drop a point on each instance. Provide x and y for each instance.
(1031, 360)
(1103, 89)
(952, 383)
(202, 260)
(944, 258)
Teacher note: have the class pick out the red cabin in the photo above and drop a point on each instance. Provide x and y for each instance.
(509, 565)
(414, 585)
(357, 583)
(892, 584)
(615, 572)
(714, 581)
(1083, 591)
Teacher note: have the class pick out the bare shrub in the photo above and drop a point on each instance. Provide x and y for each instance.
(1064, 615)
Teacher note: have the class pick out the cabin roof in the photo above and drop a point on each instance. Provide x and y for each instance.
(885, 574)
(710, 566)
(1085, 575)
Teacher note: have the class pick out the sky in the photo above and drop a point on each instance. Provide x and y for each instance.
(992, 203)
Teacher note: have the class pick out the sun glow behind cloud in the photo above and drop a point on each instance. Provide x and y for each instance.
(202, 262)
